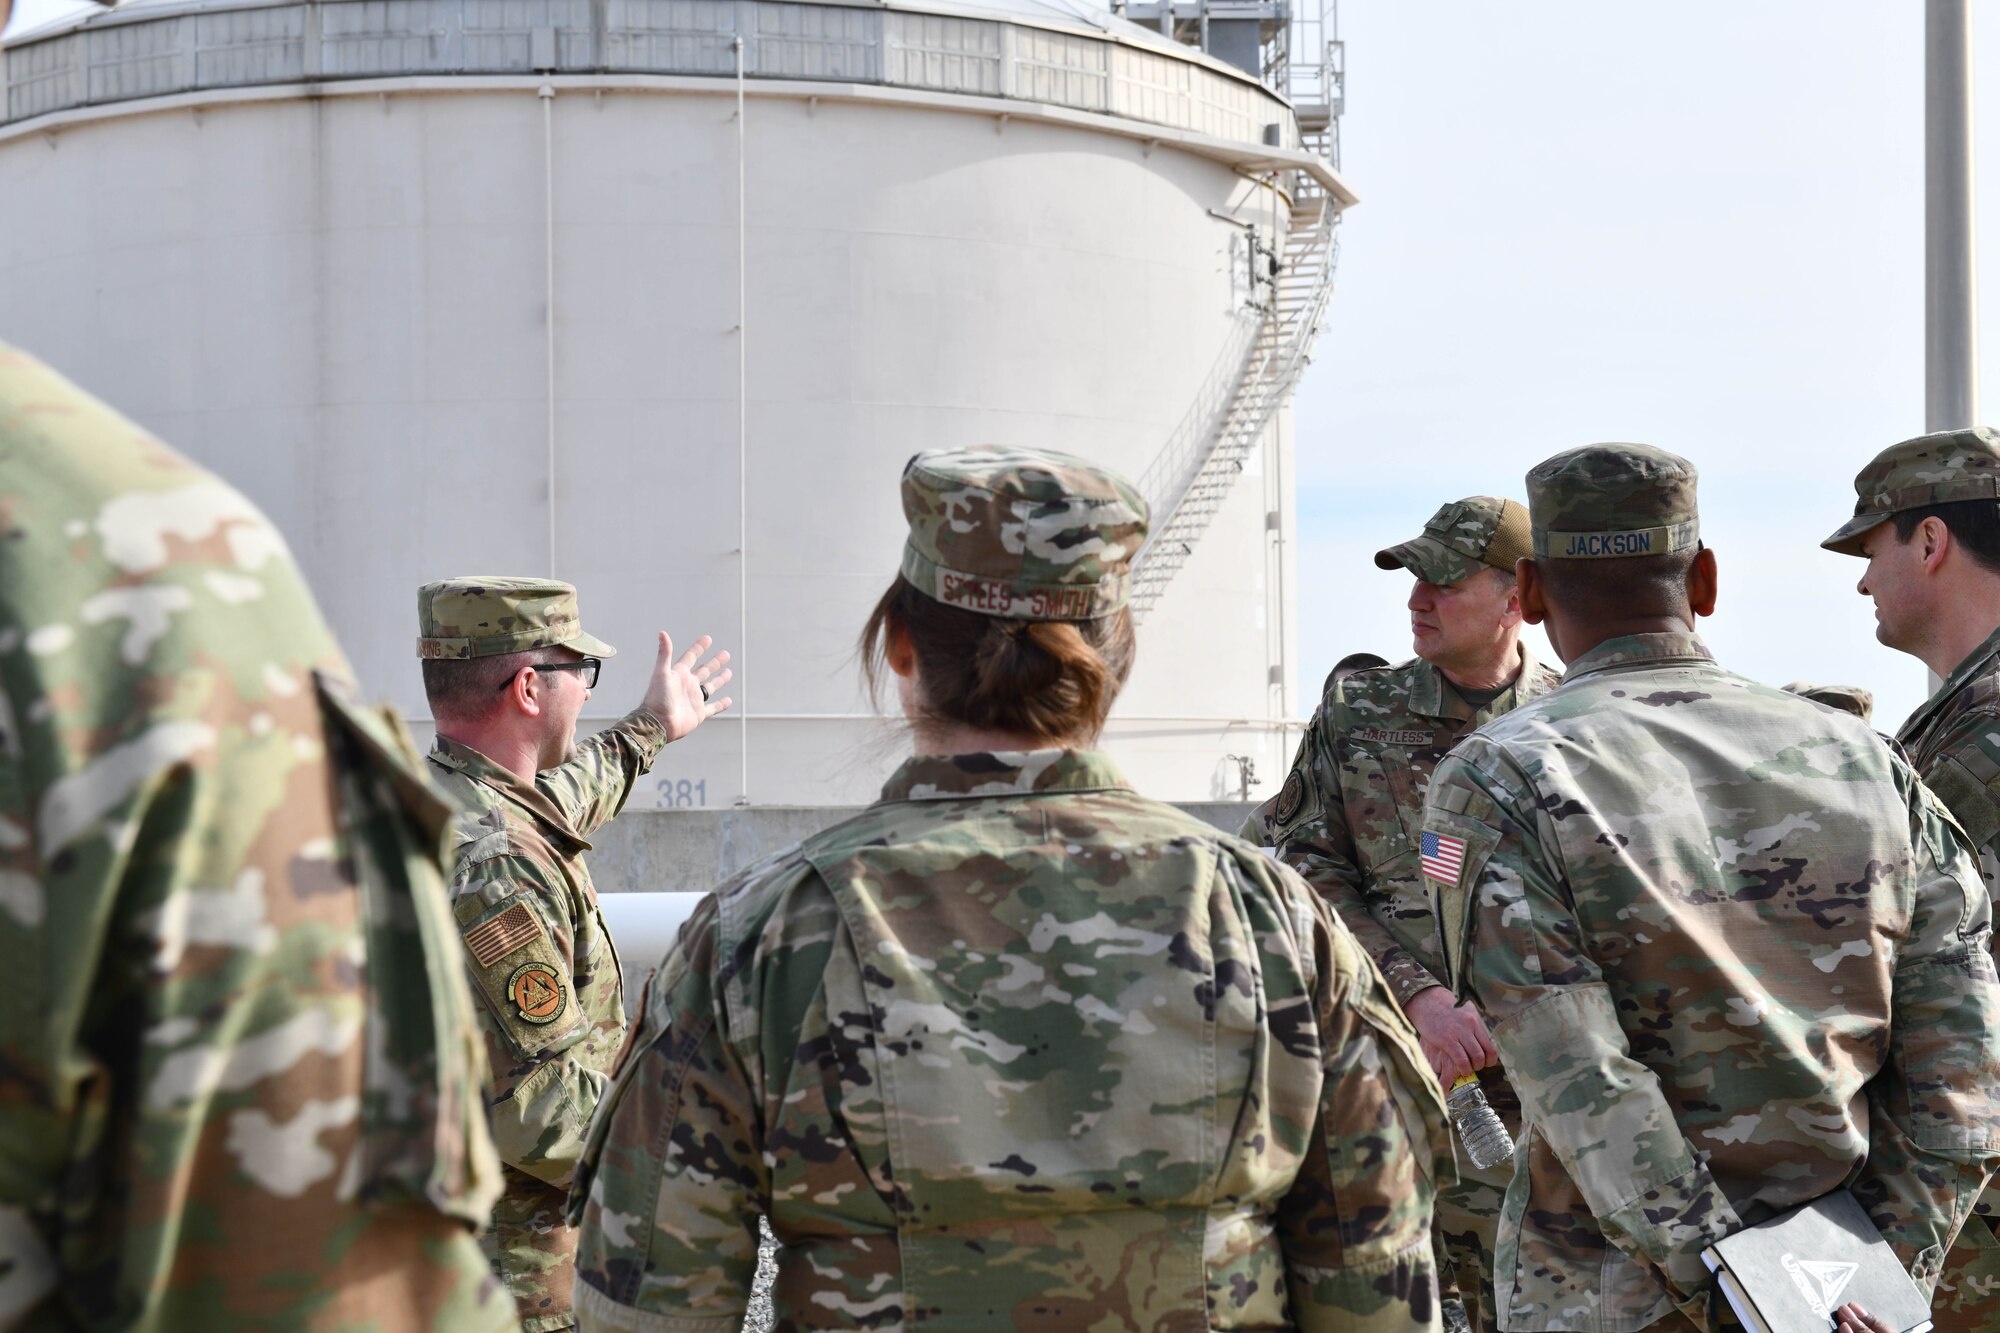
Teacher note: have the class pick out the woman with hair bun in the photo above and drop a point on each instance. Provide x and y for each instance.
(1015, 1046)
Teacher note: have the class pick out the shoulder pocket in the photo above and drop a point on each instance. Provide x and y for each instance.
(1452, 853)
(527, 984)
(1297, 805)
(423, 1120)
(1971, 798)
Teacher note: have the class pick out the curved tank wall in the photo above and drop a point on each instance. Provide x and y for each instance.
(340, 298)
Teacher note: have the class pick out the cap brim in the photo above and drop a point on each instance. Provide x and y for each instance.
(590, 646)
(1431, 561)
(1846, 539)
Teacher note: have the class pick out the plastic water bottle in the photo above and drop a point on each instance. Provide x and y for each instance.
(1486, 1139)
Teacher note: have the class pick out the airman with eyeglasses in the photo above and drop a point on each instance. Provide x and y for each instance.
(508, 668)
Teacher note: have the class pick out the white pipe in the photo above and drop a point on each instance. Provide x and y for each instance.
(548, 96)
(742, 427)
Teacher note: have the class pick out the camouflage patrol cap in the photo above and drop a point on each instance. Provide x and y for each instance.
(1462, 536)
(478, 616)
(1847, 698)
(1607, 501)
(1936, 469)
(1029, 534)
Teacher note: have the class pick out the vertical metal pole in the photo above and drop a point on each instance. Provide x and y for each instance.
(742, 431)
(548, 96)
(1951, 327)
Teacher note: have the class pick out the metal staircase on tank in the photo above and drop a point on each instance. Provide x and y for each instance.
(1262, 359)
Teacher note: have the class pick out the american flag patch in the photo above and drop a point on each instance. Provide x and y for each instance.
(1442, 856)
(490, 941)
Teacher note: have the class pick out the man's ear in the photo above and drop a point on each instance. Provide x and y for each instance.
(1934, 539)
(524, 692)
(1701, 583)
(1510, 611)
(1528, 592)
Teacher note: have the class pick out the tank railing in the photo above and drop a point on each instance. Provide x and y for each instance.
(1173, 470)
(1188, 485)
(146, 52)
(1184, 507)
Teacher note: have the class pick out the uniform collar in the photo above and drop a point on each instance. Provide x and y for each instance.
(1641, 650)
(949, 777)
(462, 758)
(1431, 695)
(1979, 661)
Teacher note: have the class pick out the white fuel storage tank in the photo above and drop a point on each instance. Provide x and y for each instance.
(658, 296)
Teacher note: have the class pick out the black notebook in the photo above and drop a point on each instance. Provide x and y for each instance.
(1789, 1274)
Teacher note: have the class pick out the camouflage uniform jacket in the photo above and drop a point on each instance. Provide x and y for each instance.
(546, 973)
(1016, 1047)
(1954, 741)
(1351, 811)
(240, 1081)
(1734, 956)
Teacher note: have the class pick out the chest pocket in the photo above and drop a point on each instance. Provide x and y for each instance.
(1385, 775)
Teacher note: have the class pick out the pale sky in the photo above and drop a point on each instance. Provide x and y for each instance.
(1697, 225)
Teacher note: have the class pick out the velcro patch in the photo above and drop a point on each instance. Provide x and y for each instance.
(493, 940)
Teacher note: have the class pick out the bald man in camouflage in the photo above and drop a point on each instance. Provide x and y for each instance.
(507, 668)
(1734, 955)
(1348, 815)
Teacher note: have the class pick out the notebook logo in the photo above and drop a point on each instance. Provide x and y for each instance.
(1820, 1282)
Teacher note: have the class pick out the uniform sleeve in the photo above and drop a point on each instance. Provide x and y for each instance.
(1934, 1128)
(1511, 941)
(519, 935)
(1317, 842)
(1356, 1224)
(593, 786)
(673, 1182)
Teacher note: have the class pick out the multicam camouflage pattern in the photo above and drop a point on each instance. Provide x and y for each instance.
(1463, 536)
(546, 973)
(1016, 1048)
(1613, 501)
(1847, 698)
(477, 615)
(1348, 819)
(1029, 534)
(1953, 741)
(239, 1077)
(1734, 956)
(1940, 468)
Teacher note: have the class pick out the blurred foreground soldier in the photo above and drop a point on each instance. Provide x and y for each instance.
(240, 1081)
(1847, 698)
(1016, 1047)
(1351, 812)
(507, 668)
(1733, 953)
(1928, 524)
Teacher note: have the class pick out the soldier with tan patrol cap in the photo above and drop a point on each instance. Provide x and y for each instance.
(1349, 815)
(507, 668)
(1927, 521)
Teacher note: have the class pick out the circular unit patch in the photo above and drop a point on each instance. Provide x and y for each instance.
(537, 992)
(1291, 796)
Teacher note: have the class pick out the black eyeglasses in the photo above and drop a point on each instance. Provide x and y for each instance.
(586, 666)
